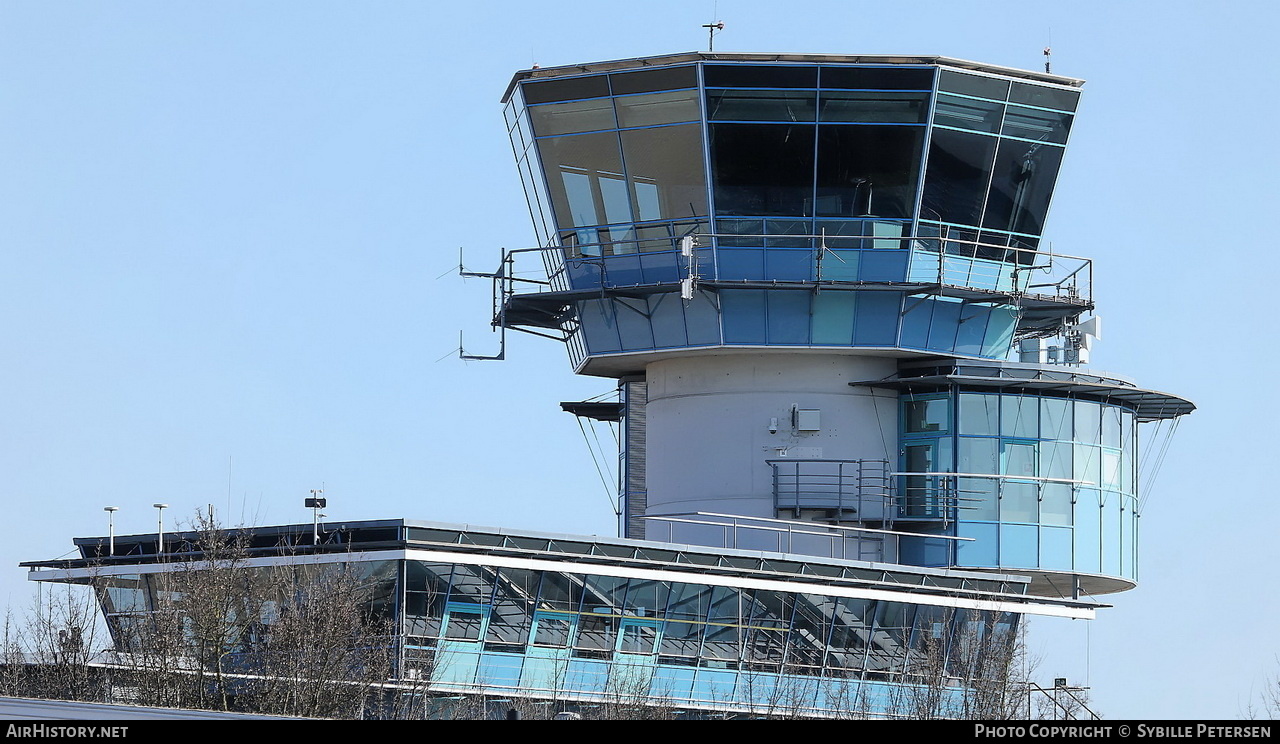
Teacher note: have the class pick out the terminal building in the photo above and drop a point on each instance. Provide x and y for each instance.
(809, 278)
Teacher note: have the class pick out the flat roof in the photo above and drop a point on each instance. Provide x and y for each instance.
(400, 537)
(663, 60)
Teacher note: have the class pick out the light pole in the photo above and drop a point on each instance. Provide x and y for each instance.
(315, 504)
(160, 527)
(111, 528)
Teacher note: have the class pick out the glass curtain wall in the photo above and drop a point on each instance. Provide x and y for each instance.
(1043, 482)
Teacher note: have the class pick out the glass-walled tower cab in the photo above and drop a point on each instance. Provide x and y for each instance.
(808, 273)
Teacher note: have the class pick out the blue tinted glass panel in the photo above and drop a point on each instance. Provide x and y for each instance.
(915, 323)
(1055, 548)
(883, 266)
(744, 316)
(598, 326)
(833, 314)
(788, 265)
(982, 552)
(1055, 504)
(1000, 326)
(633, 327)
(1088, 532)
(667, 314)
(702, 320)
(741, 263)
(876, 320)
(788, 317)
(1111, 533)
(1019, 545)
(973, 329)
(946, 320)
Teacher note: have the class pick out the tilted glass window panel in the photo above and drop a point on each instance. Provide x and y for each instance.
(760, 76)
(926, 415)
(552, 630)
(1055, 460)
(560, 591)
(1044, 96)
(877, 78)
(1112, 476)
(664, 166)
(1019, 416)
(873, 107)
(584, 177)
(762, 105)
(1088, 422)
(645, 81)
(1019, 502)
(968, 113)
(1019, 459)
(973, 85)
(1033, 124)
(604, 593)
(887, 650)
(957, 176)
(596, 632)
(658, 108)
(464, 624)
(1055, 504)
(868, 171)
(1087, 466)
(1112, 427)
(681, 638)
(638, 639)
(647, 597)
(689, 602)
(763, 169)
(979, 414)
(472, 584)
(1022, 186)
(570, 118)
(1055, 419)
(977, 455)
(564, 89)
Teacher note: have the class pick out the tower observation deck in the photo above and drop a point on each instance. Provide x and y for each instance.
(807, 274)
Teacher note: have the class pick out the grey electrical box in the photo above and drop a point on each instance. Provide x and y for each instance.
(808, 419)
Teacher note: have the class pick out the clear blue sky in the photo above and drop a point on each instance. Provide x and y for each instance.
(222, 223)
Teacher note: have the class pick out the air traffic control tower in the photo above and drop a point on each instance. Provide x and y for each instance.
(810, 276)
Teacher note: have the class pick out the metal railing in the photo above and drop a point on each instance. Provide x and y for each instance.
(939, 495)
(805, 260)
(852, 489)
